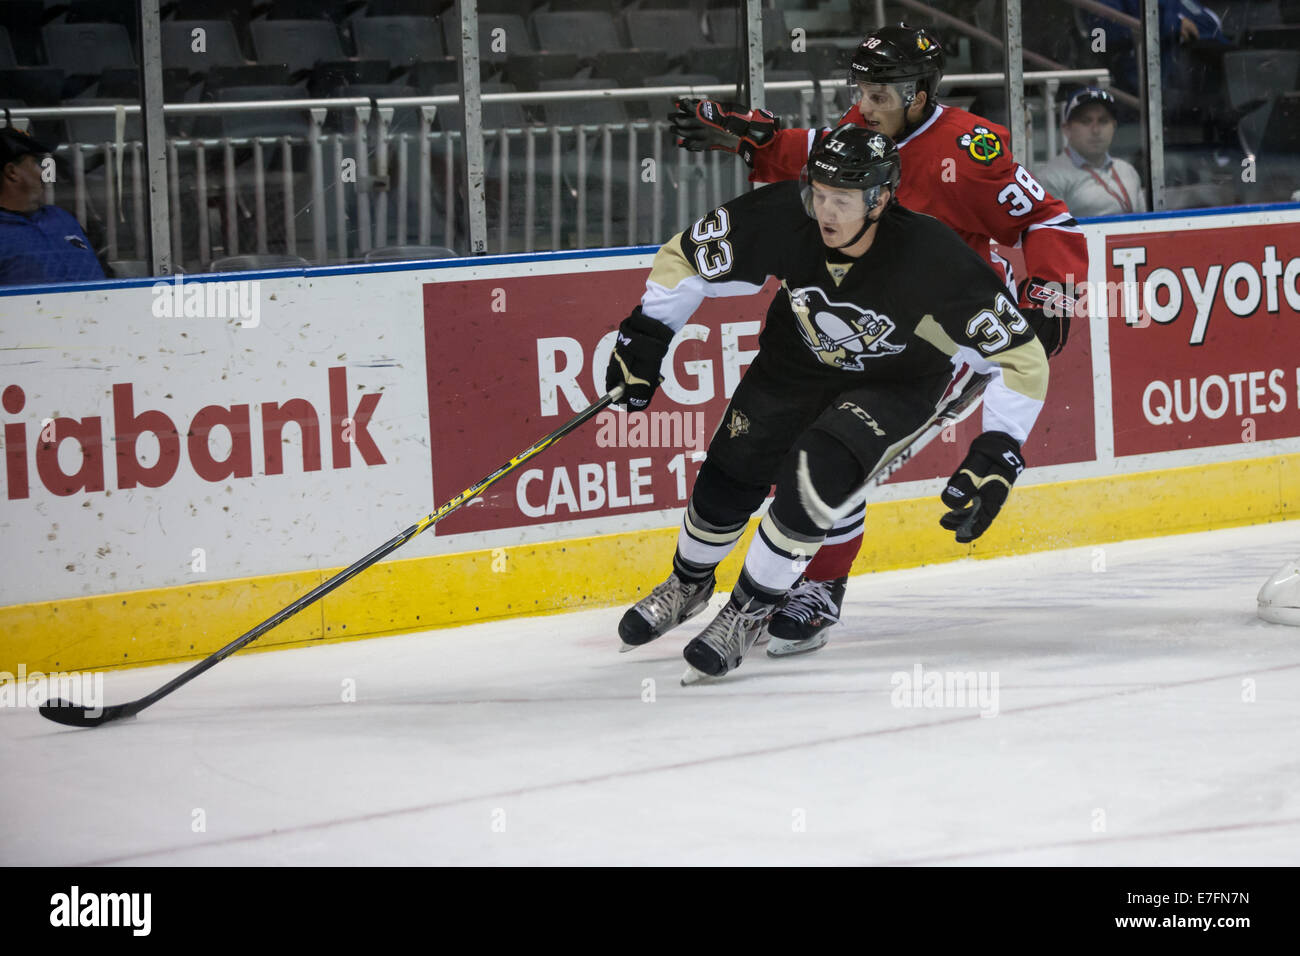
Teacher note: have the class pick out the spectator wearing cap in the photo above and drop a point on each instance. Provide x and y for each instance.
(1085, 175)
(38, 243)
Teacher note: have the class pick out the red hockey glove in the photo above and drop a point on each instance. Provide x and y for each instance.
(978, 489)
(704, 124)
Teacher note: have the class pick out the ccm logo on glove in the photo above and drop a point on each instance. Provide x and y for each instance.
(978, 489)
(638, 352)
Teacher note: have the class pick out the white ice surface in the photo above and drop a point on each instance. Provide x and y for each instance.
(1125, 734)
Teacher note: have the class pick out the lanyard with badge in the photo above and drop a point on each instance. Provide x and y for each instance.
(1125, 204)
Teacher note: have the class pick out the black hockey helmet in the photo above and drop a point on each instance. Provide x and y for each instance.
(908, 56)
(853, 157)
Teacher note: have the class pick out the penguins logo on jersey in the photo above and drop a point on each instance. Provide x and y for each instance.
(982, 144)
(739, 424)
(841, 334)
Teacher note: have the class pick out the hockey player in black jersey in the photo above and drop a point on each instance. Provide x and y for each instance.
(880, 310)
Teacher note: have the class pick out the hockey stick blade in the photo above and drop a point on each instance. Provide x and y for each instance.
(76, 715)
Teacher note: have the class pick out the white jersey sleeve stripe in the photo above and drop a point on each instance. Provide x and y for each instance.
(1058, 223)
(1006, 409)
(674, 307)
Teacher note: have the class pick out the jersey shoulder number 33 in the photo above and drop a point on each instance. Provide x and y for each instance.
(993, 329)
(713, 254)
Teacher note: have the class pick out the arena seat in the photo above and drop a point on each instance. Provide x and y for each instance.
(585, 32)
(87, 48)
(655, 29)
(399, 40)
(298, 44)
(221, 45)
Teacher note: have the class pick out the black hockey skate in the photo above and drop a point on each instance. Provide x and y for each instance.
(668, 605)
(720, 647)
(810, 610)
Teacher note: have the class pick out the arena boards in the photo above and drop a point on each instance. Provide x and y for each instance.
(307, 416)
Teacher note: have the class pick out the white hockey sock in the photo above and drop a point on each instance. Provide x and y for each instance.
(776, 558)
(701, 545)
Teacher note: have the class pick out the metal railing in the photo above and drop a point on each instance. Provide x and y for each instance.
(572, 174)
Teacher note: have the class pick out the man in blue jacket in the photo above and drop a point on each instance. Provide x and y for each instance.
(38, 243)
(1182, 22)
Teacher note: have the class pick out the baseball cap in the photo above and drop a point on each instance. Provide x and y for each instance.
(1085, 96)
(15, 144)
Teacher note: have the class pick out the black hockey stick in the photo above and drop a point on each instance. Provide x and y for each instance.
(76, 715)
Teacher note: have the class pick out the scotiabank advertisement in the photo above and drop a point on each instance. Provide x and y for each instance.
(1204, 336)
(513, 358)
(157, 436)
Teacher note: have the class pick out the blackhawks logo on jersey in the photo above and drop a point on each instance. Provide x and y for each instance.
(841, 334)
(982, 144)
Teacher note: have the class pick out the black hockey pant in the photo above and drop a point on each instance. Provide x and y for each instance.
(845, 428)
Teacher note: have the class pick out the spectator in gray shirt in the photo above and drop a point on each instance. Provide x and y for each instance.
(1085, 176)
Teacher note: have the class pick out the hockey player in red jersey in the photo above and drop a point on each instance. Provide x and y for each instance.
(959, 170)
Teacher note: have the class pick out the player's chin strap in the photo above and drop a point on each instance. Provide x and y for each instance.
(867, 223)
(827, 515)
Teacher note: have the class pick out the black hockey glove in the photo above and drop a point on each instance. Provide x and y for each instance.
(1048, 310)
(979, 487)
(704, 124)
(638, 352)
